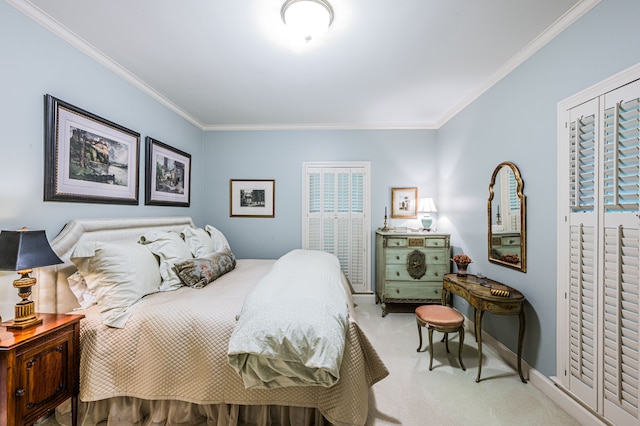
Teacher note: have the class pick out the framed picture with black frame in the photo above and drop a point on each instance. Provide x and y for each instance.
(168, 175)
(252, 198)
(88, 159)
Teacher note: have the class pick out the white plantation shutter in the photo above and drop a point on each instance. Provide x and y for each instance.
(599, 267)
(621, 257)
(582, 314)
(621, 322)
(335, 218)
(583, 154)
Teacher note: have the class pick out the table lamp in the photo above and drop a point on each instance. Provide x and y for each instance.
(426, 206)
(21, 251)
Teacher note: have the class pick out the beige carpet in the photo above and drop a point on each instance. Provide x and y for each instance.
(414, 396)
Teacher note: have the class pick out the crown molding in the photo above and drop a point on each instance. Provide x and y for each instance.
(561, 24)
(571, 16)
(36, 14)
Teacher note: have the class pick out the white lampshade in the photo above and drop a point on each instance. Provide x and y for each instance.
(426, 206)
(307, 19)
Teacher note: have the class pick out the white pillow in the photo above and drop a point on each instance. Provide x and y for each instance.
(78, 286)
(218, 238)
(119, 275)
(199, 241)
(171, 249)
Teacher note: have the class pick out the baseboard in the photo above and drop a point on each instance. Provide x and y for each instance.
(584, 416)
(364, 298)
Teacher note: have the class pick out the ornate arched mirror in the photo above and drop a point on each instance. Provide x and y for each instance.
(506, 213)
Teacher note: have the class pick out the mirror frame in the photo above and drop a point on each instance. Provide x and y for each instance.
(522, 266)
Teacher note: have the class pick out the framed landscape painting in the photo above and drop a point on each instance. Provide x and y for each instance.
(252, 198)
(168, 175)
(88, 159)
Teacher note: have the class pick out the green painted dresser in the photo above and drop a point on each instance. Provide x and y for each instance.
(410, 267)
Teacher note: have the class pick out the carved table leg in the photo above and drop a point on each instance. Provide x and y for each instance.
(520, 340)
(475, 315)
(479, 313)
(384, 309)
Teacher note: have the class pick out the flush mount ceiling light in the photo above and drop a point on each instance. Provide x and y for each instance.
(307, 19)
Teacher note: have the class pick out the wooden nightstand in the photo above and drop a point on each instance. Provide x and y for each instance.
(39, 368)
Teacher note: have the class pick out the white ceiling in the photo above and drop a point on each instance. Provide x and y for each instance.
(226, 64)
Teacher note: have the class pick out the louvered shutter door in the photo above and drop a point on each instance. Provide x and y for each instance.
(583, 317)
(358, 231)
(621, 198)
(336, 220)
(603, 254)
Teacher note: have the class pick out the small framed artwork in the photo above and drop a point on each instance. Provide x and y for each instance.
(88, 159)
(252, 198)
(168, 175)
(404, 203)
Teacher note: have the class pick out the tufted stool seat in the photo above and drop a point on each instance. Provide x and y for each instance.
(443, 319)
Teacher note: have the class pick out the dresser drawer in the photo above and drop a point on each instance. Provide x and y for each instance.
(397, 242)
(400, 273)
(433, 256)
(412, 290)
(435, 242)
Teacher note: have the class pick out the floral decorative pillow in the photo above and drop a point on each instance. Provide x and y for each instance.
(199, 272)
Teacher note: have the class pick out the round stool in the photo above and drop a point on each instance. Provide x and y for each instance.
(443, 319)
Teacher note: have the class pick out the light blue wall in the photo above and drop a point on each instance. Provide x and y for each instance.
(402, 158)
(516, 121)
(36, 62)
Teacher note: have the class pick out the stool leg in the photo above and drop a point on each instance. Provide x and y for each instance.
(430, 348)
(461, 344)
(420, 336)
(446, 341)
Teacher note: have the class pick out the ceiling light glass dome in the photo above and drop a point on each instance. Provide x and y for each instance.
(307, 19)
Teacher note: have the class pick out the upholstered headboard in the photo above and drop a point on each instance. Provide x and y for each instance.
(52, 293)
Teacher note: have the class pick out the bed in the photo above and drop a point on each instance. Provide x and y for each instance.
(169, 361)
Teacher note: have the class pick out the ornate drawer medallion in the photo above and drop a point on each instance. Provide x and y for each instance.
(416, 264)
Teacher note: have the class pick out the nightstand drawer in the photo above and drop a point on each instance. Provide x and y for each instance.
(412, 290)
(400, 273)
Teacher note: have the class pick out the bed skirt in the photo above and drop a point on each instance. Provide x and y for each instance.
(123, 411)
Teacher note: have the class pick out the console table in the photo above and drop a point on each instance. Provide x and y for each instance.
(478, 293)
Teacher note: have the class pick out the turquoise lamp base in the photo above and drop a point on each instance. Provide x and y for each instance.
(427, 221)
